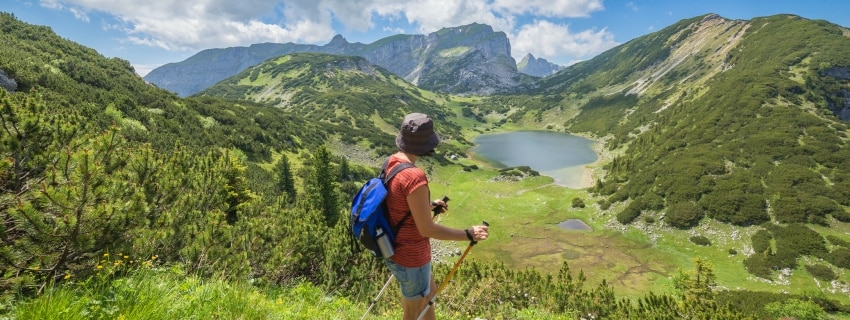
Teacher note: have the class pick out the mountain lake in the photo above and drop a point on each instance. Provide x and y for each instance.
(558, 155)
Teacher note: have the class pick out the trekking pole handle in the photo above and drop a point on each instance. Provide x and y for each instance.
(473, 242)
(436, 209)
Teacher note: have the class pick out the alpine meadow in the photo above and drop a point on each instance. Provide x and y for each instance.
(721, 191)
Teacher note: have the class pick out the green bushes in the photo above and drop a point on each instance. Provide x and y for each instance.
(822, 272)
(629, 214)
(684, 215)
(791, 242)
(700, 240)
(577, 203)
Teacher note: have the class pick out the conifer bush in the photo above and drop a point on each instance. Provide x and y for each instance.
(700, 240)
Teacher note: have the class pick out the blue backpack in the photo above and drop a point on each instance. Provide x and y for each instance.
(369, 218)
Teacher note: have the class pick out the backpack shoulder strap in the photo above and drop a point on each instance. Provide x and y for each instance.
(387, 178)
(398, 168)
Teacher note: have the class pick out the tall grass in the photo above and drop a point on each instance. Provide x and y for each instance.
(167, 293)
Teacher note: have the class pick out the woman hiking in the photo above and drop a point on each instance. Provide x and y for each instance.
(408, 194)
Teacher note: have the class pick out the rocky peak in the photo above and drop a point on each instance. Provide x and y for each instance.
(537, 67)
(337, 41)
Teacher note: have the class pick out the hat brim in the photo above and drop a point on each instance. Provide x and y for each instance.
(417, 148)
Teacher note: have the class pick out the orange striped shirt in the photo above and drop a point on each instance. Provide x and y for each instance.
(412, 250)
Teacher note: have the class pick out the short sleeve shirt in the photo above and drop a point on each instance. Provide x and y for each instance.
(412, 250)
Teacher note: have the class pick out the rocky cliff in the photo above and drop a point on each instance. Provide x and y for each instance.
(471, 59)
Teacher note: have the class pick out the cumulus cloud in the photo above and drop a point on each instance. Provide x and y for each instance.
(550, 8)
(193, 25)
(551, 40)
(199, 24)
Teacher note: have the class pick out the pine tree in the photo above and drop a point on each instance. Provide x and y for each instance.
(285, 182)
(323, 187)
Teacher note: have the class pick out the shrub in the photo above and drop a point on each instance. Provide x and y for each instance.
(761, 241)
(577, 203)
(701, 240)
(758, 266)
(839, 257)
(684, 215)
(836, 241)
(732, 251)
(822, 272)
(628, 215)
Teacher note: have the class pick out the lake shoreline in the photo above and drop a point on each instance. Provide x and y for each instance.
(578, 176)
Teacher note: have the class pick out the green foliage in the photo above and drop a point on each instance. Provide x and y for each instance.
(323, 189)
(795, 309)
(840, 257)
(822, 272)
(684, 215)
(836, 241)
(601, 115)
(696, 285)
(577, 203)
(761, 241)
(629, 214)
(791, 242)
(700, 240)
(755, 302)
(285, 179)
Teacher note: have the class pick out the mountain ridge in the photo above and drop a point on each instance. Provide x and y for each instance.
(440, 61)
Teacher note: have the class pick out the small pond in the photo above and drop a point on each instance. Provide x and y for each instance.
(574, 224)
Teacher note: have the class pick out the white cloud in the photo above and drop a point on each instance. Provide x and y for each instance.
(550, 8)
(80, 14)
(200, 24)
(431, 15)
(193, 25)
(556, 41)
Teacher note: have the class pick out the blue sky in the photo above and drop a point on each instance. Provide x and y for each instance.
(150, 33)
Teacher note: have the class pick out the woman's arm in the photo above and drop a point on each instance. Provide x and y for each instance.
(420, 209)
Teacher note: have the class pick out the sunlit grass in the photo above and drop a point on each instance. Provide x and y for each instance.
(167, 293)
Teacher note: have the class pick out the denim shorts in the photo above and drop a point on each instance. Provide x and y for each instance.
(415, 282)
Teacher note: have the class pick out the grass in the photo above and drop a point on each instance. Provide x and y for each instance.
(167, 293)
(163, 293)
(523, 217)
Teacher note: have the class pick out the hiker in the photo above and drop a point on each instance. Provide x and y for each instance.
(409, 192)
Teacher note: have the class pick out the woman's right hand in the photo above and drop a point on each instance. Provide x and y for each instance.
(478, 233)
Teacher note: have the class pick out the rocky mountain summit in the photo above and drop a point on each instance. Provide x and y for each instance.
(470, 59)
(537, 67)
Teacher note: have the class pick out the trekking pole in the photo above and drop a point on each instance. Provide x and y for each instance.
(374, 301)
(448, 277)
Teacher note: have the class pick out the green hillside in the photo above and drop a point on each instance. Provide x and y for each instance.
(714, 119)
(120, 200)
(350, 98)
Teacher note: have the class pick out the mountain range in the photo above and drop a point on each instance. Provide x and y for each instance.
(470, 59)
